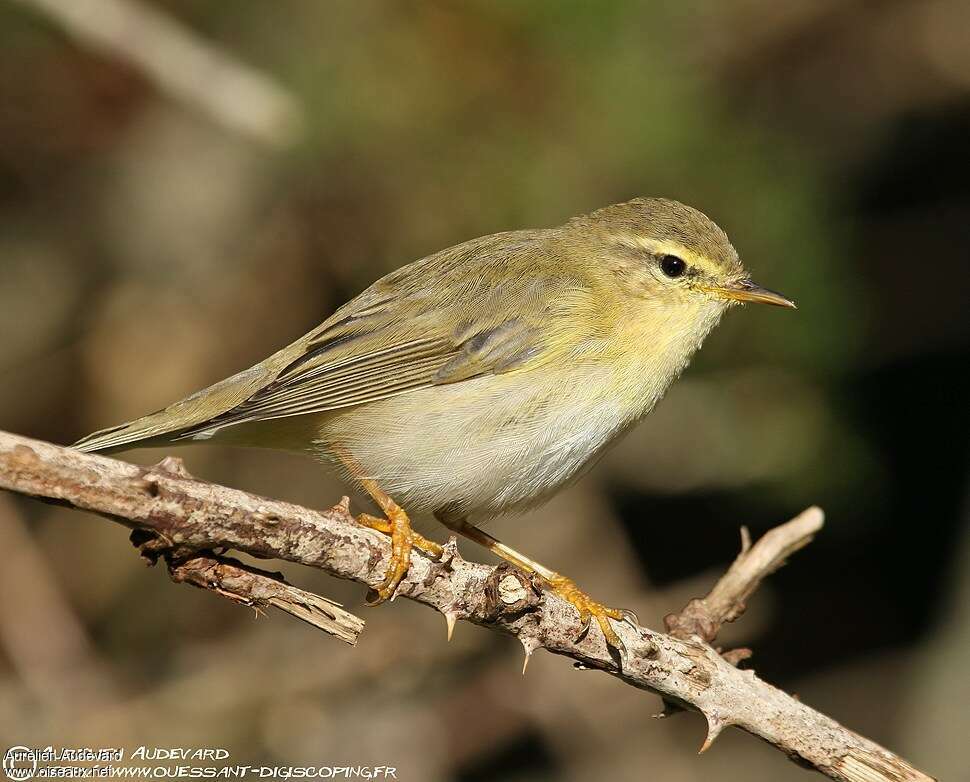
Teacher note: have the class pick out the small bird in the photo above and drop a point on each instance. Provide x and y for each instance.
(482, 379)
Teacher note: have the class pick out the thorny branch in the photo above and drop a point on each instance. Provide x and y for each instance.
(703, 617)
(185, 521)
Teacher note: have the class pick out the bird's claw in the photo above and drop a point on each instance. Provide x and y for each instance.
(397, 568)
(589, 609)
(586, 621)
(403, 539)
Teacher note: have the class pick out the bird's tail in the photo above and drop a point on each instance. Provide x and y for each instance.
(186, 419)
(149, 430)
(190, 419)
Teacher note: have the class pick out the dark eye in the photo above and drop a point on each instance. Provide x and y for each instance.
(672, 266)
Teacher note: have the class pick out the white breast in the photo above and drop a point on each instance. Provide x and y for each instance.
(482, 447)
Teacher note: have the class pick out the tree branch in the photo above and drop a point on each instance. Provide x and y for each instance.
(703, 617)
(258, 589)
(177, 517)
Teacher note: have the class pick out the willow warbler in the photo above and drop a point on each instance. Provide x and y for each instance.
(482, 379)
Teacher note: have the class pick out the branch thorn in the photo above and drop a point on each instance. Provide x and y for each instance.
(714, 728)
(745, 539)
(530, 646)
(450, 618)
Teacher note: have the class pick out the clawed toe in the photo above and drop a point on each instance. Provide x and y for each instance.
(590, 609)
(630, 618)
(403, 539)
(397, 568)
(584, 628)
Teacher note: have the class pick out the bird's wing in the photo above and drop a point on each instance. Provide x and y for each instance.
(440, 320)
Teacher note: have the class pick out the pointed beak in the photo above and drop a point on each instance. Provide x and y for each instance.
(745, 290)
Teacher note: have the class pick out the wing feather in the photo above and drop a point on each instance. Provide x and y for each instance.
(355, 380)
(402, 334)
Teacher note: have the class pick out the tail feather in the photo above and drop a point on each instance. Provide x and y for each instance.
(144, 432)
(185, 419)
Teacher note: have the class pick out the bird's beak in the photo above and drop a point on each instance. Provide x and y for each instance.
(745, 290)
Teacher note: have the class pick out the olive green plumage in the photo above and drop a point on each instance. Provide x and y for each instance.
(482, 378)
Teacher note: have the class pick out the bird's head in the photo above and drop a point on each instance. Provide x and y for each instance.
(672, 254)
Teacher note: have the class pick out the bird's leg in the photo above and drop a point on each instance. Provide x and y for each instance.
(396, 524)
(566, 588)
(403, 538)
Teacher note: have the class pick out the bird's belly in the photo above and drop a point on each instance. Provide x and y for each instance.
(479, 448)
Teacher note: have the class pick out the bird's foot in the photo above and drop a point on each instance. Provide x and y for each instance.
(403, 539)
(589, 609)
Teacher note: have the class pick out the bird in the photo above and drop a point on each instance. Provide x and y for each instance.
(480, 380)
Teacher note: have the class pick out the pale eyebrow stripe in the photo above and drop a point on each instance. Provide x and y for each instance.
(668, 247)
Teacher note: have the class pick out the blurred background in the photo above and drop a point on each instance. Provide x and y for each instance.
(186, 186)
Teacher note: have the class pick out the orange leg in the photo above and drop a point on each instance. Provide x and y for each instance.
(403, 539)
(587, 608)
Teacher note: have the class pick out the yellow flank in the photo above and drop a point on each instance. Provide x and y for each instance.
(479, 380)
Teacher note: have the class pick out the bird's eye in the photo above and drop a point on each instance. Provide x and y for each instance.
(672, 266)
